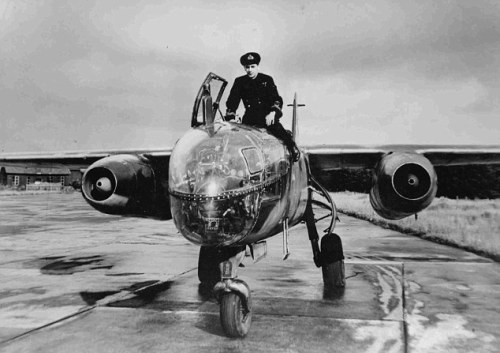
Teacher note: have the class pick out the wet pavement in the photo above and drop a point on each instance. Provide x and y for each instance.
(72, 279)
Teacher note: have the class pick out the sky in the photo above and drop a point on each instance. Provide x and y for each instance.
(112, 74)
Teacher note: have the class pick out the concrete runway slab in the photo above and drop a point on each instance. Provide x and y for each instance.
(76, 280)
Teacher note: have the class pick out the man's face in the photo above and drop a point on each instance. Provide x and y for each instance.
(252, 70)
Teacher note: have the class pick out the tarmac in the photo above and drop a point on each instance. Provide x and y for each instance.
(75, 280)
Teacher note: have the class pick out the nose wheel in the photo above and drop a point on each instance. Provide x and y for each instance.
(235, 306)
(235, 317)
(217, 268)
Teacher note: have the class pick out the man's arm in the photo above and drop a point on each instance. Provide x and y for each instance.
(233, 101)
(277, 101)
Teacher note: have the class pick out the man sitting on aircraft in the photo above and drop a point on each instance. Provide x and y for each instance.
(262, 102)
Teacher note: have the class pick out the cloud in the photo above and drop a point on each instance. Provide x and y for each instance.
(368, 70)
(368, 36)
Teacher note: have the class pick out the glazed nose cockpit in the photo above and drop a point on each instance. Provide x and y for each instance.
(214, 185)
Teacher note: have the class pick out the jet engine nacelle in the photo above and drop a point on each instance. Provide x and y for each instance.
(404, 183)
(130, 185)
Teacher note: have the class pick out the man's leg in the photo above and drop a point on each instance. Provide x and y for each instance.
(279, 131)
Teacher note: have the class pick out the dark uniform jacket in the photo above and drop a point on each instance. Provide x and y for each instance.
(260, 97)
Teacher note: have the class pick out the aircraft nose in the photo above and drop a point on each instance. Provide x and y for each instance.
(221, 209)
(215, 220)
(215, 184)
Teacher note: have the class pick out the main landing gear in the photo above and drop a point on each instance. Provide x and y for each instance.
(331, 256)
(217, 269)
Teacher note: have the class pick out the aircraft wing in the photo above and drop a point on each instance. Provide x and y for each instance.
(61, 156)
(126, 182)
(404, 179)
(135, 182)
(333, 157)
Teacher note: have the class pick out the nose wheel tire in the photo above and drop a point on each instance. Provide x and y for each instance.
(235, 319)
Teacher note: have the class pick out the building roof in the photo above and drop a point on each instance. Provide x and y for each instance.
(35, 170)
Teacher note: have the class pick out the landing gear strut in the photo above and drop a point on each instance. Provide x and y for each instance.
(331, 256)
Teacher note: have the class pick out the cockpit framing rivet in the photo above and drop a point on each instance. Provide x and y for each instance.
(226, 195)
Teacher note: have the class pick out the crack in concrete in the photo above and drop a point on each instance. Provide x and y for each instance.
(405, 323)
(356, 273)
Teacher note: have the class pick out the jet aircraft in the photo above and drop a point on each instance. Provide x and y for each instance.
(228, 187)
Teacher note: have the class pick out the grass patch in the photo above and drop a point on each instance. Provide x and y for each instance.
(472, 225)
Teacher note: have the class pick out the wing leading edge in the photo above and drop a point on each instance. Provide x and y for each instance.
(334, 157)
(81, 155)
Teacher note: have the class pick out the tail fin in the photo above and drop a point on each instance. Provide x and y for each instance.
(294, 116)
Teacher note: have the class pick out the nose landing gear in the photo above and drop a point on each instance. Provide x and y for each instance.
(218, 268)
(235, 307)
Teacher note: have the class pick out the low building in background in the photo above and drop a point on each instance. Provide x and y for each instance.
(35, 177)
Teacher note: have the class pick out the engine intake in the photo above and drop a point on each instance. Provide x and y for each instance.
(404, 183)
(130, 185)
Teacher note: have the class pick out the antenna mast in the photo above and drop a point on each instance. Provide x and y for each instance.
(294, 116)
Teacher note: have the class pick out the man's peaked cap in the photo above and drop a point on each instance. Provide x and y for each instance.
(250, 58)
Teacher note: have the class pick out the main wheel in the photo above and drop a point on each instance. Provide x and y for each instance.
(234, 318)
(334, 275)
(332, 257)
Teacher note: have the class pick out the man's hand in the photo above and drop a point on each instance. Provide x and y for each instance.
(270, 119)
(229, 115)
